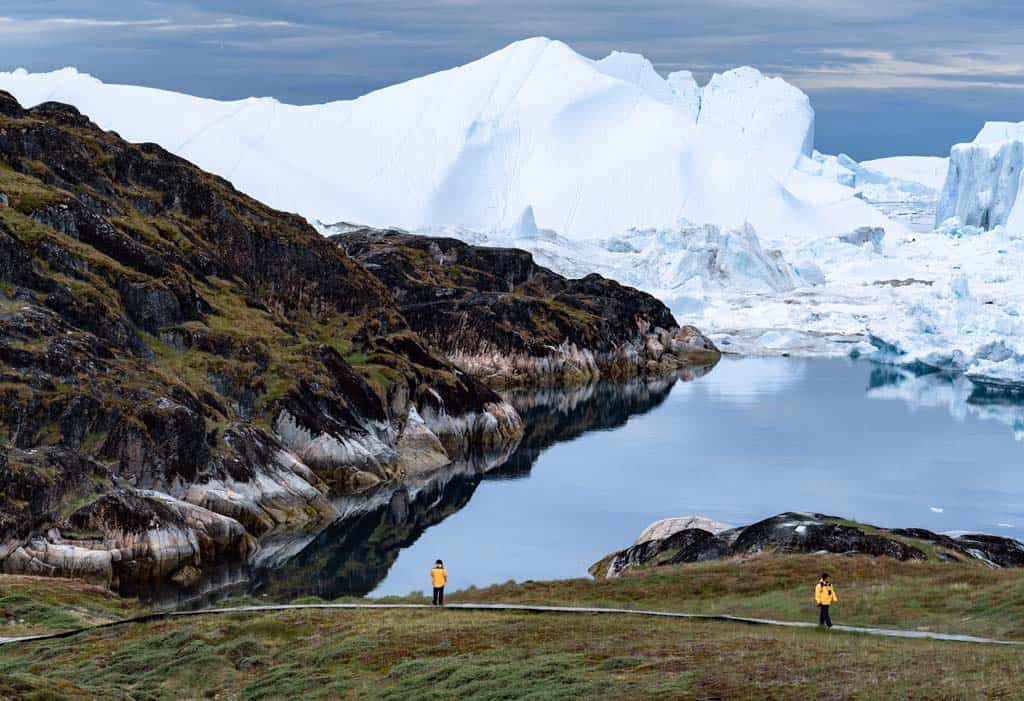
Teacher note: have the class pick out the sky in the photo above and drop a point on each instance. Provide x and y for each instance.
(886, 77)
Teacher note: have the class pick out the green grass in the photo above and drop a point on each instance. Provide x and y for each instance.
(927, 595)
(26, 193)
(444, 654)
(451, 654)
(31, 605)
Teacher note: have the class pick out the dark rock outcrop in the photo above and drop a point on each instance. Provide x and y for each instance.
(503, 318)
(811, 533)
(792, 532)
(687, 545)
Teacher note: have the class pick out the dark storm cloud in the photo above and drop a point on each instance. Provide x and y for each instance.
(891, 62)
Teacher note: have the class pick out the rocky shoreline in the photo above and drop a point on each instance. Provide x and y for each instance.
(186, 373)
(698, 539)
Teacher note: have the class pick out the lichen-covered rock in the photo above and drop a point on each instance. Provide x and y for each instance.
(163, 333)
(419, 449)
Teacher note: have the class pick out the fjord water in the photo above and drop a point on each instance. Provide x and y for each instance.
(749, 439)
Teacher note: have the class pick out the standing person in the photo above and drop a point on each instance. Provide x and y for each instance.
(438, 577)
(824, 596)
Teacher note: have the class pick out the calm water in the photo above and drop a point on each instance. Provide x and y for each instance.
(750, 439)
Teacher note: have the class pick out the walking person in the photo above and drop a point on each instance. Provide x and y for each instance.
(824, 596)
(438, 577)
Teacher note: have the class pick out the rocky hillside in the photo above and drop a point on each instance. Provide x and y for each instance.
(696, 539)
(508, 320)
(184, 370)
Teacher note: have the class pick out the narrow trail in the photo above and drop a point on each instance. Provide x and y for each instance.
(526, 608)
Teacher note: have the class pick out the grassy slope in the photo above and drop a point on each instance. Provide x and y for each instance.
(951, 598)
(33, 605)
(452, 654)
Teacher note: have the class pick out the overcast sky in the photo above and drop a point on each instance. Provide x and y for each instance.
(885, 76)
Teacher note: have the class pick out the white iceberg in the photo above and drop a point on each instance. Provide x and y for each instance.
(984, 187)
(594, 147)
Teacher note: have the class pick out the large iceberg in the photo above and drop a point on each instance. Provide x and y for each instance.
(984, 187)
(595, 147)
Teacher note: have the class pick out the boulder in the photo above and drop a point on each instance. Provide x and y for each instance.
(687, 545)
(670, 526)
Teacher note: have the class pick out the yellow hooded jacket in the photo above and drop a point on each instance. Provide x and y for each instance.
(824, 594)
(438, 575)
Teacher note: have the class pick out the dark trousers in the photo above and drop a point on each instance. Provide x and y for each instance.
(439, 596)
(823, 617)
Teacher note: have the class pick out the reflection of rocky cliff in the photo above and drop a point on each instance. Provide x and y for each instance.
(354, 554)
(553, 416)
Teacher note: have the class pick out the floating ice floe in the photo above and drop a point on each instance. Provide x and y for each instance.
(948, 299)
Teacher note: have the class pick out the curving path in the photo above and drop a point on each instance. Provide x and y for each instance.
(528, 608)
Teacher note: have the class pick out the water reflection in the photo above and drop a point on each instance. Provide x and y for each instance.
(598, 464)
(958, 395)
(351, 556)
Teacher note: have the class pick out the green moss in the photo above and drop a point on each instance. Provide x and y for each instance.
(28, 194)
(24, 228)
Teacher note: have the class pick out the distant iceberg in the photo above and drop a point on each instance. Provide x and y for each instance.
(984, 187)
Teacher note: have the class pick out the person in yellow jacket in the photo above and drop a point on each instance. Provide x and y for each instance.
(439, 577)
(824, 596)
